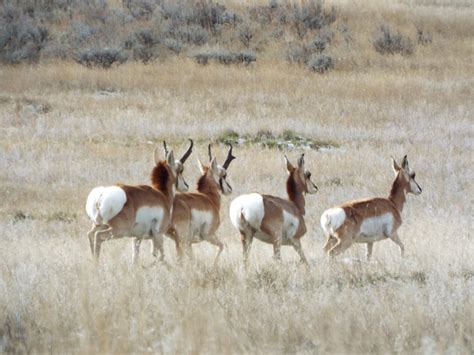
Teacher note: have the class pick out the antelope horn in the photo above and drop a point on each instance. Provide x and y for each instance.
(209, 151)
(166, 148)
(188, 152)
(289, 166)
(229, 158)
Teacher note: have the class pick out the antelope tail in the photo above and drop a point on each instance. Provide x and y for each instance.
(332, 219)
(97, 217)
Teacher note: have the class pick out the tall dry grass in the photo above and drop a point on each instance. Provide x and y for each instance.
(65, 129)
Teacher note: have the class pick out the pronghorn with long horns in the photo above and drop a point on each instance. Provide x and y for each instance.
(141, 211)
(273, 219)
(196, 215)
(371, 220)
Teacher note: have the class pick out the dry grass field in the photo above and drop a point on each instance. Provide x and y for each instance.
(65, 129)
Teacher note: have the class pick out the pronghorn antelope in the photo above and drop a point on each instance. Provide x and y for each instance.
(141, 211)
(196, 214)
(272, 219)
(371, 220)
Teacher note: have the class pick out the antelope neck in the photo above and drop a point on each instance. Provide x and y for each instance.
(207, 186)
(295, 193)
(161, 180)
(398, 192)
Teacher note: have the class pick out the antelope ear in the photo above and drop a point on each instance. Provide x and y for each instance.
(395, 166)
(301, 161)
(214, 164)
(170, 160)
(156, 155)
(405, 164)
(289, 166)
(201, 166)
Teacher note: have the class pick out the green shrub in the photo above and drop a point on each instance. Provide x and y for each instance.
(102, 58)
(140, 9)
(143, 45)
(79, 33)
(206, 14)
(245, 34)
(22, 38)
(246, 57)
(224, 56)
(265, 138)
(174, 45)
(423, 37)
(321, 63)
(143, 29)
(311, 14)
(387, 41)
(228, 137)
(296, 52)
(20, 216)
(60, 216)
(319, 43)
(191, 34)
(310, 56)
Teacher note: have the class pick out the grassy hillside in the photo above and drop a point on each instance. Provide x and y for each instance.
(66, 128)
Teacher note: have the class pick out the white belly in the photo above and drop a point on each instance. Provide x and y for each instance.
(201, 222)
(375, 228)
(148, 220)
(290, 226)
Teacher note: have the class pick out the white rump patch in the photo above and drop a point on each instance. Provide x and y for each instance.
(148, 220)
(91, 204)
(290, 225)
(332, 219)
(251, 208)
(378, 226)
(108, 203)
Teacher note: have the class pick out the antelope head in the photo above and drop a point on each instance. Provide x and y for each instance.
(407, 176)
(177, 166)
(301, 175)
(218, 172)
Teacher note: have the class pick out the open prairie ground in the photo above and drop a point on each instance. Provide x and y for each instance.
(65, 129)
